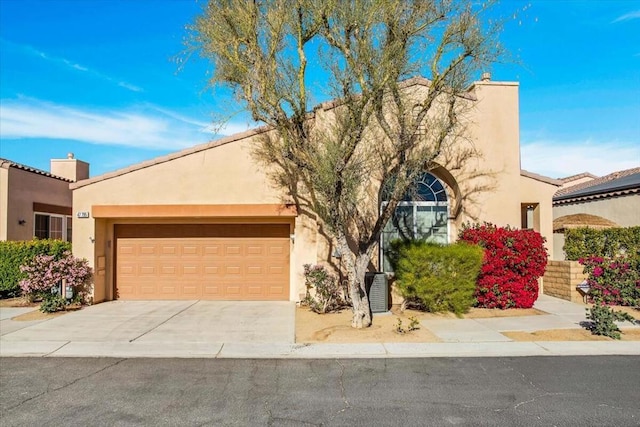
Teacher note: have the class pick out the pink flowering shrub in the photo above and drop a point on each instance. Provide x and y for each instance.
(613, 281)
(44, 272)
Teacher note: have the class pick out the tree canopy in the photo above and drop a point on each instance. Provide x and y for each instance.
(398, 72)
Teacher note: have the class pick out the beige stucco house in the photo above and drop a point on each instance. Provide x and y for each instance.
(36, 203)
(587, 200)
(206, 222)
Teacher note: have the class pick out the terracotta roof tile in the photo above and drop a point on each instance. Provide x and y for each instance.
(5, 163)
(577, 176)
(597, 181)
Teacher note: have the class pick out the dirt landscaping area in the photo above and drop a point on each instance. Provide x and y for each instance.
(570, 335)
(36, 314)
(17, 302)
(336, 327)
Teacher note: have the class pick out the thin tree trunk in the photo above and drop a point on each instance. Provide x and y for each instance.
(362, 311)
(356, 269)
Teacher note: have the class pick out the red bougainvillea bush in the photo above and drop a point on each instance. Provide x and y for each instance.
(513, 261)
(613, 281)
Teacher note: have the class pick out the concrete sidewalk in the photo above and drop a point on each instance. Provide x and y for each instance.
(185, 330)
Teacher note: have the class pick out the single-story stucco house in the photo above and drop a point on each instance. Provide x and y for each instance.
(35, 203)
(207, 223)
(586, 200)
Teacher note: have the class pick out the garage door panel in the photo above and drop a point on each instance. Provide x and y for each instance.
(148, 250)
(192, 290)
(232, 249)
(168, 290)
(233, 270)
(169, 270)
(255, 250)
(147, 270)
(276, 250)
(212, 249)
(230, 290)
(191, 250)
(255, 290)
(212, 290)
(255, 270)
(211, 270)
(169, 250)
(225, 268)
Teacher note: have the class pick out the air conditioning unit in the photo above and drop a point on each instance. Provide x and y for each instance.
(378, 291)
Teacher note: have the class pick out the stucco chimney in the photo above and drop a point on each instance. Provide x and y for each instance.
(70, 168)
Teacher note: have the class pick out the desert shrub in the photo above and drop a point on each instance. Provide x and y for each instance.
(513, 261)
(52, 303)
(414, 325)
(45, 272)
(614, 281)
(14, 254)
(608, 243)
(603, 320)
(324, 293)
(442, 278)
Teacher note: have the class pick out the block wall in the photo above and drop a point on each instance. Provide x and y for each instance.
(561, 278)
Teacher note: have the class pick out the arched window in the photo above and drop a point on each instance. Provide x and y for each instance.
(423, 214)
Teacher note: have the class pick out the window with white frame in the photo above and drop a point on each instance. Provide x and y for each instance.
(423, 214)
(52, 226)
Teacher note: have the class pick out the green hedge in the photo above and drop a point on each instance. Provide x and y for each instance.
(586, 242)
(442, 278)
(14, 254)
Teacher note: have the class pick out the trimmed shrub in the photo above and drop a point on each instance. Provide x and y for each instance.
(513, 261)
(13, 254)
(613, 281)
(441, 278)
(324, 294)
(609, 243)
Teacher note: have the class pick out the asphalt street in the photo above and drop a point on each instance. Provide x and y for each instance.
(523, 391)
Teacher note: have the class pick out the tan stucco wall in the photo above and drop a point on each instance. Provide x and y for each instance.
(623, 210)
(539, 193)
(494, 130)
(558, 247)
(70, 168)
(23, 189)
(227, 175)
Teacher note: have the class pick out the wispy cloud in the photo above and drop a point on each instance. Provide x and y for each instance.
(224, 128)
(30, 50)
(561, 159)
(627, 16)
(139, 127)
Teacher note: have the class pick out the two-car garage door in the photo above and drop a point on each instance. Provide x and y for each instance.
(202, 261)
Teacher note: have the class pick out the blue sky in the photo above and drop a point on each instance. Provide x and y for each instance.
(100, 79)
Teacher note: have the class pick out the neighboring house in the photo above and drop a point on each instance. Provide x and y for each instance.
(206, 222)
(35, 203)
(598, 202)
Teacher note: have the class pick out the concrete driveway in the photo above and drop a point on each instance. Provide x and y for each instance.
(164, 322)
